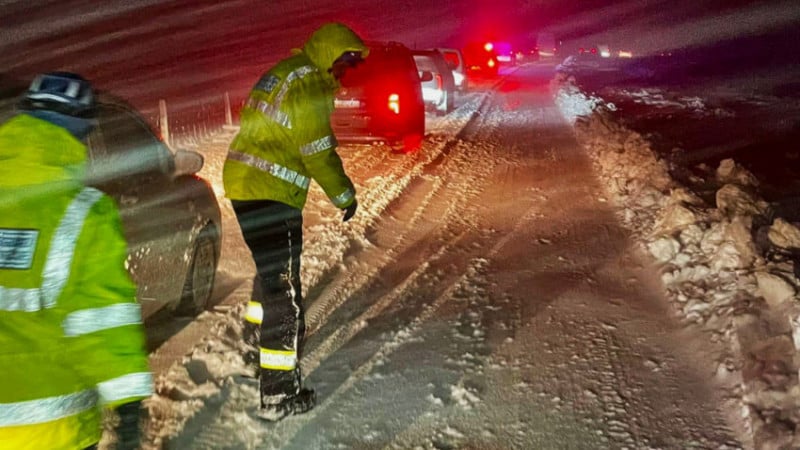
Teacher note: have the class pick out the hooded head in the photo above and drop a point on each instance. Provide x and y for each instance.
(330, 42)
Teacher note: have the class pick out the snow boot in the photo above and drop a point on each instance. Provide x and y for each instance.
(299, 403)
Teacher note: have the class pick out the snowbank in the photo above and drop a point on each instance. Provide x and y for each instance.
(727, 267)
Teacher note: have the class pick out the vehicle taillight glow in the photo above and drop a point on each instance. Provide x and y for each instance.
(491, 63)
(394, 103)
(488, 46)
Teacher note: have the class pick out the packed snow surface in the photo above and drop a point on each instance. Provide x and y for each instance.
(487, 295)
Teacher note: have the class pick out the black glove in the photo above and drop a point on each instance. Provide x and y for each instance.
(127, 431)
(350, 211)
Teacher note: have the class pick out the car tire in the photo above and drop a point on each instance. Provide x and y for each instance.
(410, 143)
(199, 282)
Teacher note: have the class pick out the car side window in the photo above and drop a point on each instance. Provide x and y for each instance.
(123, 147)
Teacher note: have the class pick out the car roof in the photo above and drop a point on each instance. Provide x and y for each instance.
(448, 49)
(433, 55)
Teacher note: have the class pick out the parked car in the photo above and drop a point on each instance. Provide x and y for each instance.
(481, 59)
(505, 53)
(547, 45)
(381, 99)
(439, 93)
(455, 59)
(170, 215)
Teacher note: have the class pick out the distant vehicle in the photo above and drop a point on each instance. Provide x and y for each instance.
(381, 99)
(438, 92)
(505, 53)
(455, 59)
(170, 215)
(481, 59)
(600, 50)
(604, 50)
(547, 46)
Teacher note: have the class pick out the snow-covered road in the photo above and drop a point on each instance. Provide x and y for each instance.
(484, 297)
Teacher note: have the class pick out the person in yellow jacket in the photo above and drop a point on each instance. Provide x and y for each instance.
(71, 338)
(285, 141)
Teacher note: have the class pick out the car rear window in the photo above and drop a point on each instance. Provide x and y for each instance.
(382, 62)
(451, 58)
(425, 63)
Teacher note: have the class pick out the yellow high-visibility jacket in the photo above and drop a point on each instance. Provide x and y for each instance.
(71, 336)
(286, 138)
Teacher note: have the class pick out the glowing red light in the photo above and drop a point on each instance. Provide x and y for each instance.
(394, 103)
(488, 46)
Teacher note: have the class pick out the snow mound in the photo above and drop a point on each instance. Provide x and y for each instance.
(727, 267)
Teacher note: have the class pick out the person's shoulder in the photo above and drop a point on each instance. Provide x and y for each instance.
(103, 203)
(291, 64)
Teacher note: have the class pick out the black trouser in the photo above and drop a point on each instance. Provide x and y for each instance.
(274, 233)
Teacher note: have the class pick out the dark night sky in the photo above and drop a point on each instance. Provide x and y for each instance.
(646, 25)
(154, 47)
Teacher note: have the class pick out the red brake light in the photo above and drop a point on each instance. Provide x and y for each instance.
(394, 103)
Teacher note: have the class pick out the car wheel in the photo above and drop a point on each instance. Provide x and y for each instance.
(411, 143)
(200, 278)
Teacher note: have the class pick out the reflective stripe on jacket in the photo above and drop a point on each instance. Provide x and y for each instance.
(286, 137)
(71, 337)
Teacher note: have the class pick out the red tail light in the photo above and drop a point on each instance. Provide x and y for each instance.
(394, 103)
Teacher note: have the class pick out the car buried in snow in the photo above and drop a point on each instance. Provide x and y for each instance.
(170, 215)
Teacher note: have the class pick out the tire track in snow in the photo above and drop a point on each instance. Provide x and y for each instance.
(449, 213)
(380, 180)
(339, 288)
(344, 334)
(435, 424)
(286, 431)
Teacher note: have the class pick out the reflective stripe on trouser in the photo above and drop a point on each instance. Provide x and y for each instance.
(274, 233)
